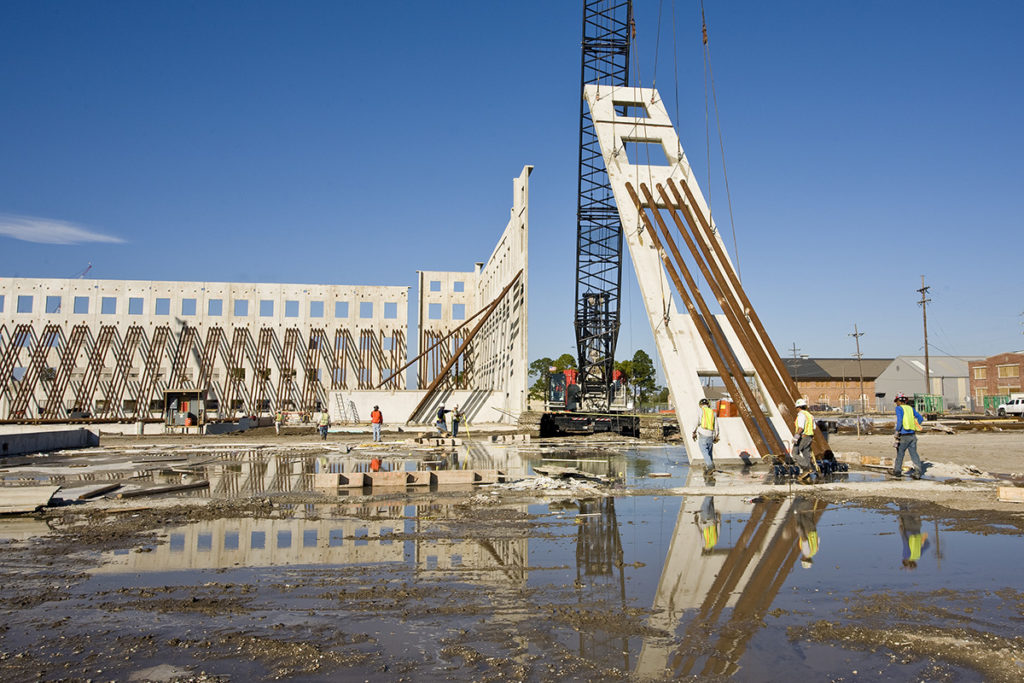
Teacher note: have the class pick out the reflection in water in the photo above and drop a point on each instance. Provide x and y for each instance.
(914, 541)
(600, 575)
(723, 592)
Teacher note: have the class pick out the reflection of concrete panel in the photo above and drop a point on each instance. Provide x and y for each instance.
(449, 477)
(263, 543)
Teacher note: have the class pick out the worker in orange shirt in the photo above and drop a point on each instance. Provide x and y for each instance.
(377, 421)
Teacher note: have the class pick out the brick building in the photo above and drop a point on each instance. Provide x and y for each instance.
(996, 376)
(835, 382)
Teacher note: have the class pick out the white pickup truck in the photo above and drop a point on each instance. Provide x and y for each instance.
(1015, 406)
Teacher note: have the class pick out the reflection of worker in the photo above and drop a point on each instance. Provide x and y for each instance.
(377, 421)
(803, 436)
(706, 434)
(442, 422)
(914, 542)
(325, 422)
(375, 464)
(806, 529)
(278, 419)
(908, 423)
(709, 522)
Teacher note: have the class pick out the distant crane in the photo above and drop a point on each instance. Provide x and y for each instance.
(82, 274)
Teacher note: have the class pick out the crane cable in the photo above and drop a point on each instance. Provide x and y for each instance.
(709, 73)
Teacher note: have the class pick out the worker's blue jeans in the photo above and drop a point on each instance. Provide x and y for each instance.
(705, 444)
(908, 442)
(376, 431)
(455, 427)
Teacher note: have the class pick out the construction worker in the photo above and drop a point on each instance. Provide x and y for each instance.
(325, 421)
(708, 521)
(442, 423)
(914, 542)
(456, 418)
(278, 419)
(908, 423)
(706, 435)
(377, 421)
(803, 436)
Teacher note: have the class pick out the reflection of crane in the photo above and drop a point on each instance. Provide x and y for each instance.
(607, 27)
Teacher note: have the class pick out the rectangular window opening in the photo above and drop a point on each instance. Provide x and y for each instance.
(215, 307)
(188, 307)
(435, 285)
(433, 311)
(645, 152)
(162, 307)
(135, 304)
(24, 303)
(266, 308)
(340, 309)
(365, 309)
(108, 305)
(53, 304)
(316, 309)
(390, 310)
(241, 307)
(291, 309)
(458, 311)
(459, 286)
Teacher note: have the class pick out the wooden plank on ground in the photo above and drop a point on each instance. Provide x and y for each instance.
(156, 490)
(1011, 494)
(15, 499)
(99, 491)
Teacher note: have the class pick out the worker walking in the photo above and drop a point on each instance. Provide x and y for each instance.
(803, 437)
(442, 422)
(456, 419)
(908, 424)
(706, 435)
(278, 419)
(325, 421)
(377, 421)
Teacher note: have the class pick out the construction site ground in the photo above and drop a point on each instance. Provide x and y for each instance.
(256, 573)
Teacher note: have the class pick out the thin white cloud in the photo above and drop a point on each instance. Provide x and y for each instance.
(49, 231)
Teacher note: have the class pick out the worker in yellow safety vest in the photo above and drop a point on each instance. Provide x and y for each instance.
(908, 424)
(706, 435)
(325, 421)
(803, 437)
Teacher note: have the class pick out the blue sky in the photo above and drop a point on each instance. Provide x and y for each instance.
(339, 142)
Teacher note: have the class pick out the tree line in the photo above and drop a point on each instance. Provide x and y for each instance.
(637, 374)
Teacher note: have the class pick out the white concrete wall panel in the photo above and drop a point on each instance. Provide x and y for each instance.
(682, 352)
(374, 320)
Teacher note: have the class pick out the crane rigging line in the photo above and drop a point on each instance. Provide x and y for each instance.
(721, 142)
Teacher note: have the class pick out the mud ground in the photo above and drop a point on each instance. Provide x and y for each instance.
(64, 620)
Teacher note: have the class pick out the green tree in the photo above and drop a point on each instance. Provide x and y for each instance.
(540, 369)
(643, 375)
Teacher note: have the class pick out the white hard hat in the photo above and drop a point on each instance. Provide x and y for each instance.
(801, 403)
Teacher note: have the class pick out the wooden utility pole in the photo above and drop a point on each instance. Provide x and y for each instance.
(860, 367)
(924, 314)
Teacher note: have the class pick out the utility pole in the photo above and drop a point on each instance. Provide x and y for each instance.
(924, 314)
(796, 350)
(860, 367)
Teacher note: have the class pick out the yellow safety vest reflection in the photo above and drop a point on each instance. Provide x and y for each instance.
(808, 423)
(909, 421)
(915, 541)
(707, 418)
(710, 536)
(812, 543)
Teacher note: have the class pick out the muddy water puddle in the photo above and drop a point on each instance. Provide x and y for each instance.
(630, 587)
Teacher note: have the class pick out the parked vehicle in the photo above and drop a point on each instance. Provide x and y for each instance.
(1015, 406)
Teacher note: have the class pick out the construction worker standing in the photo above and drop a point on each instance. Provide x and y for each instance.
(377, 420)
(706, 435)
(325, 421)
(456, 419)
(278, 419)
(803, 436)
(908, 424)
(442, 422)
